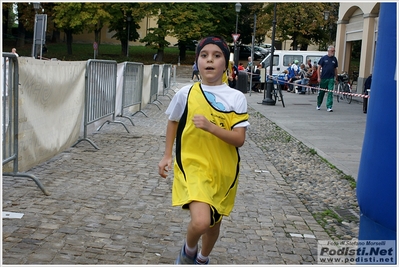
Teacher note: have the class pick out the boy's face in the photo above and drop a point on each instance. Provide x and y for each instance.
(211, 64)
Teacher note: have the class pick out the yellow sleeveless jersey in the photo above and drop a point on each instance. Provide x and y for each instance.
(206, 169)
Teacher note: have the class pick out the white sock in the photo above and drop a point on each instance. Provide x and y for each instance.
(201, 258)
(190, 251)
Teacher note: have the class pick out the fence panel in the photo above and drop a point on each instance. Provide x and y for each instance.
(132, 90)
(167, 79)
(154, 85)
(100, 94)
(10, 118)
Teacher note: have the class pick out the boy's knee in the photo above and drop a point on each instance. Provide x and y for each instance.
(201, 224)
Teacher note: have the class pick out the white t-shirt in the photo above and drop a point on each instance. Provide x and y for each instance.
(222, 97)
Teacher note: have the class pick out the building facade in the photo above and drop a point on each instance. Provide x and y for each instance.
(357, 22)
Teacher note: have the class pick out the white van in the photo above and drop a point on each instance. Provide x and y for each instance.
(282, 59)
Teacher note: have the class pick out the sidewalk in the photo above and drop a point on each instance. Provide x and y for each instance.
(336, 136)
(110, 206)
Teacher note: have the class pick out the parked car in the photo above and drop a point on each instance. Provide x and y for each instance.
(267, 46)
(245, 52)
(262, 50)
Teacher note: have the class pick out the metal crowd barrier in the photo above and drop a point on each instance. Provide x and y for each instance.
(100, 94)
(154, 85)
(173, 76)
(10, 118)
(132, 89)
(167, 81)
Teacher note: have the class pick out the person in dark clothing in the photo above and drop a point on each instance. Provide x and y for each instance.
(327, 78)
(367, 86)
(256, 78)
(195, 72)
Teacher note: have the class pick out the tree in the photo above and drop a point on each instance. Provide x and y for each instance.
(155, 37)
(246, 22)
(119, 23)
(71, 18)
(303, 23)
(97, 16)
(188, 22)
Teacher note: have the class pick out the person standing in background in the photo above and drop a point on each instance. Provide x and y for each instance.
(14, 51)
(309, 64)
(195, 72)
(327, 77)
(367, 86)
(250, 64)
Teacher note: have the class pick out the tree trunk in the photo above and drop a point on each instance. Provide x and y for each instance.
(69, 41)
(182, 52)
(5, 20)
(21, 31)
(124, 47)
(159, 55)
(97, 38)
(304, 47)
(56, 36)
(21, 35)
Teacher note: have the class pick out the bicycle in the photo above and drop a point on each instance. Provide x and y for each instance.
(344, 90)
(276, 92)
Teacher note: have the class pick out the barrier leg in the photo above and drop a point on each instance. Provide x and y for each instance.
(38, 183)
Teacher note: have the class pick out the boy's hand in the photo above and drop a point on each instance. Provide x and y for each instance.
(164, 166)
(201, 122)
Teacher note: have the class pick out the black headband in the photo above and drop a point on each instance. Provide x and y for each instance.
(217, 41)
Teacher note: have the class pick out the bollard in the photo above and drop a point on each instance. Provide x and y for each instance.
(269, 88)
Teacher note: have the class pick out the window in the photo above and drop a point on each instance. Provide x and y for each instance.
(288, 59)
(266, 61)
(315, 59)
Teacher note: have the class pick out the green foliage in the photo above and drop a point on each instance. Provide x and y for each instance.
(187, 22)
(312, 151)
(119, 13)
(323, 219)
(83, 52)
(303, 23)
(246, 20)
(70, 16)
(351, 180)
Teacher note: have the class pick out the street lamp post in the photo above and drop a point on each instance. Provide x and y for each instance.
(238, 8)
(36, 6)
(129, 18)
(270, 84)
(326, 18)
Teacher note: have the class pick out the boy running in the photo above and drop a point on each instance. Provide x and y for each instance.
(208, 121)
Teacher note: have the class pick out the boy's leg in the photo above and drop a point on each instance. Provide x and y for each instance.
(200, 221)
(209, 239)
(199, 224)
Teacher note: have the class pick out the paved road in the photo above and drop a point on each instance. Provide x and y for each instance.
(109, 206)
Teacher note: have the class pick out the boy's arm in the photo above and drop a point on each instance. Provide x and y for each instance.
(236, 137)
(166, 162)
